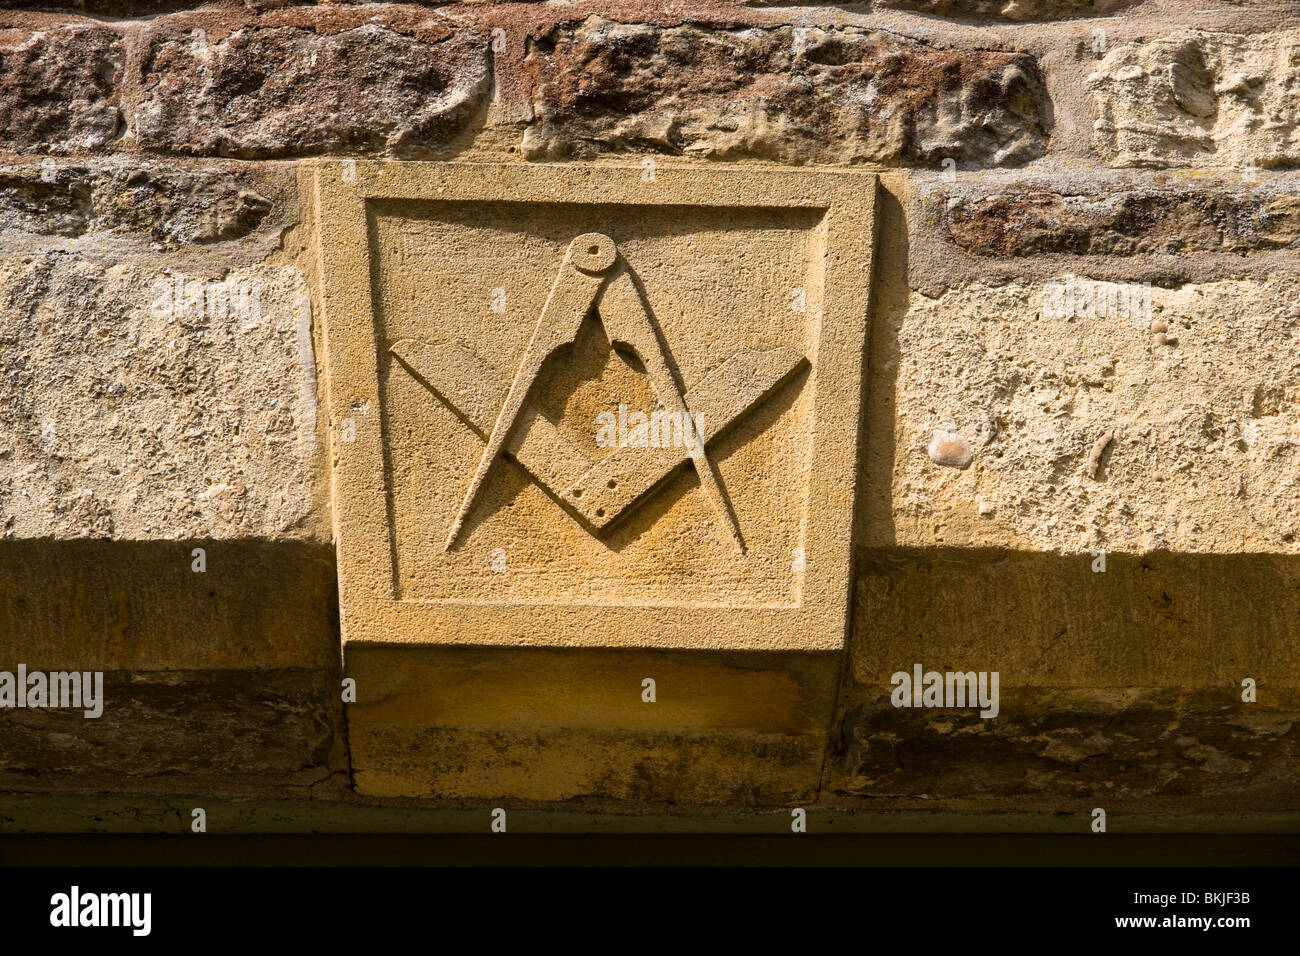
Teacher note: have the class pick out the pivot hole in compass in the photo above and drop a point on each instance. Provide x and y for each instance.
(593, 252)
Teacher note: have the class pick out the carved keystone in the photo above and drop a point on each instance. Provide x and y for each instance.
(600, 429)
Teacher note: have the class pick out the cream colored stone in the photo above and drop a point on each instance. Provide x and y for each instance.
(1200, 99)
(1092, 435)
(146, 399)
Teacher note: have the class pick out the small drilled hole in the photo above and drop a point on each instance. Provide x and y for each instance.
(592, 250)
(600, 512)
(577, 492)
(613, 483)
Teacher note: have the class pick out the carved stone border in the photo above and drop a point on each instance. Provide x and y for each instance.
(338, 193)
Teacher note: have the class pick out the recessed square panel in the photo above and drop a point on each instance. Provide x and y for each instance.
(599, 406)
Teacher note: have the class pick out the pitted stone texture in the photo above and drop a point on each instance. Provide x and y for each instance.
(791, 95)
(1013, 10)
(1206, 449)
(1199, 99)
(306, 81)
(140, 403)
(1120, 218)
(59, 87)
(115, 8)
(157, 203)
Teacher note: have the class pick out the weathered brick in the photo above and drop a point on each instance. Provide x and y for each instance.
(1132, 218)
(59, 88)
(1014, 10)
(793, 95)
(305, 81)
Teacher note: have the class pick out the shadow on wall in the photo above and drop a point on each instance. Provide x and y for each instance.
(224, 678)
(890, 296)
(1123, 686)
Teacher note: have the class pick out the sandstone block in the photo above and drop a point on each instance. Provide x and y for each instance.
(223, 679)
(1203, 450)
(1120, 218)
(60, 87)
(156, 206)
(143, 401)
(459, 724)
(294, 83)
(537, 603)
(1012, 10)
(791, 95)
(1199, 99)
(1119, 687)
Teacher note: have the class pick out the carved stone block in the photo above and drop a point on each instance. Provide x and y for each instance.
(591, 427)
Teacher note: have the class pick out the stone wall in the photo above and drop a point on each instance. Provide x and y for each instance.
(1084, 347)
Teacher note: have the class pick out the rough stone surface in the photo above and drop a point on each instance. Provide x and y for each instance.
(1102, 506)
(1137, 747)
(59, 88)
(1012, 10)
(223, 678)
(291, 83)
(1129, 218)
(796, 96)
(1199, 99)
(122, 8)
(130, 410)
(159, 204)
(1206, 452)
(225, 727)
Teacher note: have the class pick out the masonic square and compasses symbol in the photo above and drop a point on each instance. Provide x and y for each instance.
(594, 278)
